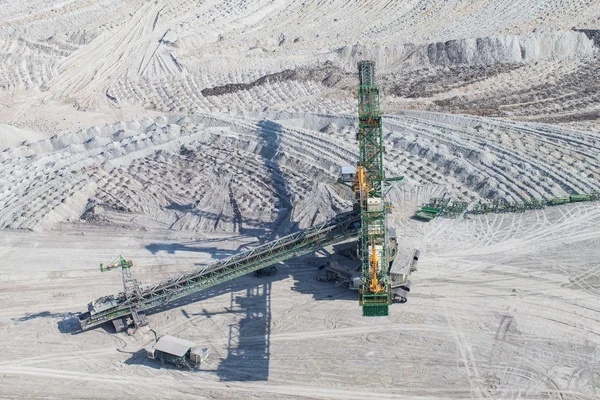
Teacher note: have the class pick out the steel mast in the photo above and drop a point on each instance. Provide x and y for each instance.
(375, 293)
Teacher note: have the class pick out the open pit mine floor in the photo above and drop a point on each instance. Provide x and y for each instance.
(176, 133)
(500, 310)
(503, 305)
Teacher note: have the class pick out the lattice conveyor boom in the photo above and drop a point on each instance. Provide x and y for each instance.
(109, 308)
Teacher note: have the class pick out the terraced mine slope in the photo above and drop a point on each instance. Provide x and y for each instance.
(177, 133)
(277, 173)
(116, 60)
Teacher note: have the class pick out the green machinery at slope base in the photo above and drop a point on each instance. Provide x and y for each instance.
(448, 207)
(375, 293)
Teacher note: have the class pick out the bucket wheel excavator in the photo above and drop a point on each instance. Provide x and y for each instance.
(367, 222)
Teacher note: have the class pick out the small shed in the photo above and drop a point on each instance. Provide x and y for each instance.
(174, 346)
(172, 350)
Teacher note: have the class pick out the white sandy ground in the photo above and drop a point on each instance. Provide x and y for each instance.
(177, 132)
(503, 307)
(11, 136)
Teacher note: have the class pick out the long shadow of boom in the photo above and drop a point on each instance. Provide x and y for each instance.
(249, 343)
(269, 132)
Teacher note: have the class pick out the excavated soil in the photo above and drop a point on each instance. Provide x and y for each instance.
(179, 132)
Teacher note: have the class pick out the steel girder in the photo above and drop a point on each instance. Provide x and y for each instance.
(340, 228)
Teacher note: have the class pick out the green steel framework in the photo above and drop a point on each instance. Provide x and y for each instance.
(373, 221)
(452, 208)
(342, 227)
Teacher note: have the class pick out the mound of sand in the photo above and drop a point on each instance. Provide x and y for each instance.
(11, 136)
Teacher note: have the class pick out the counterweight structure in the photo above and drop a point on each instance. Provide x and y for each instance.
(375, 292)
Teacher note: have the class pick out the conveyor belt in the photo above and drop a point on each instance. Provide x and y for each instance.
(342, 227)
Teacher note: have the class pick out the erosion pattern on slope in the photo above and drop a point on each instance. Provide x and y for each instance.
(204, 175)
(180, 56)
(463, 73)
(500, 159)
(214, 173)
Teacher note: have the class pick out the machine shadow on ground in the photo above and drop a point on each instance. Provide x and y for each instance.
(248, 350)
(140, 357)
(269, 132)
(172, 248)
(249, 344)
(69, 325)
(243, 224)
(43, 314)
(68, 322)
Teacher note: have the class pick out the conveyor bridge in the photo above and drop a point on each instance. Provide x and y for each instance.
(128, 305)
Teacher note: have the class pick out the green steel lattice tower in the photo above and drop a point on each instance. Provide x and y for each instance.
(372, 206)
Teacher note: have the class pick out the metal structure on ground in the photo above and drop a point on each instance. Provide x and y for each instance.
(123, 308)
(446, 207)
(179, 352)
(375, 292)
(368, 222)
(131, 290)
